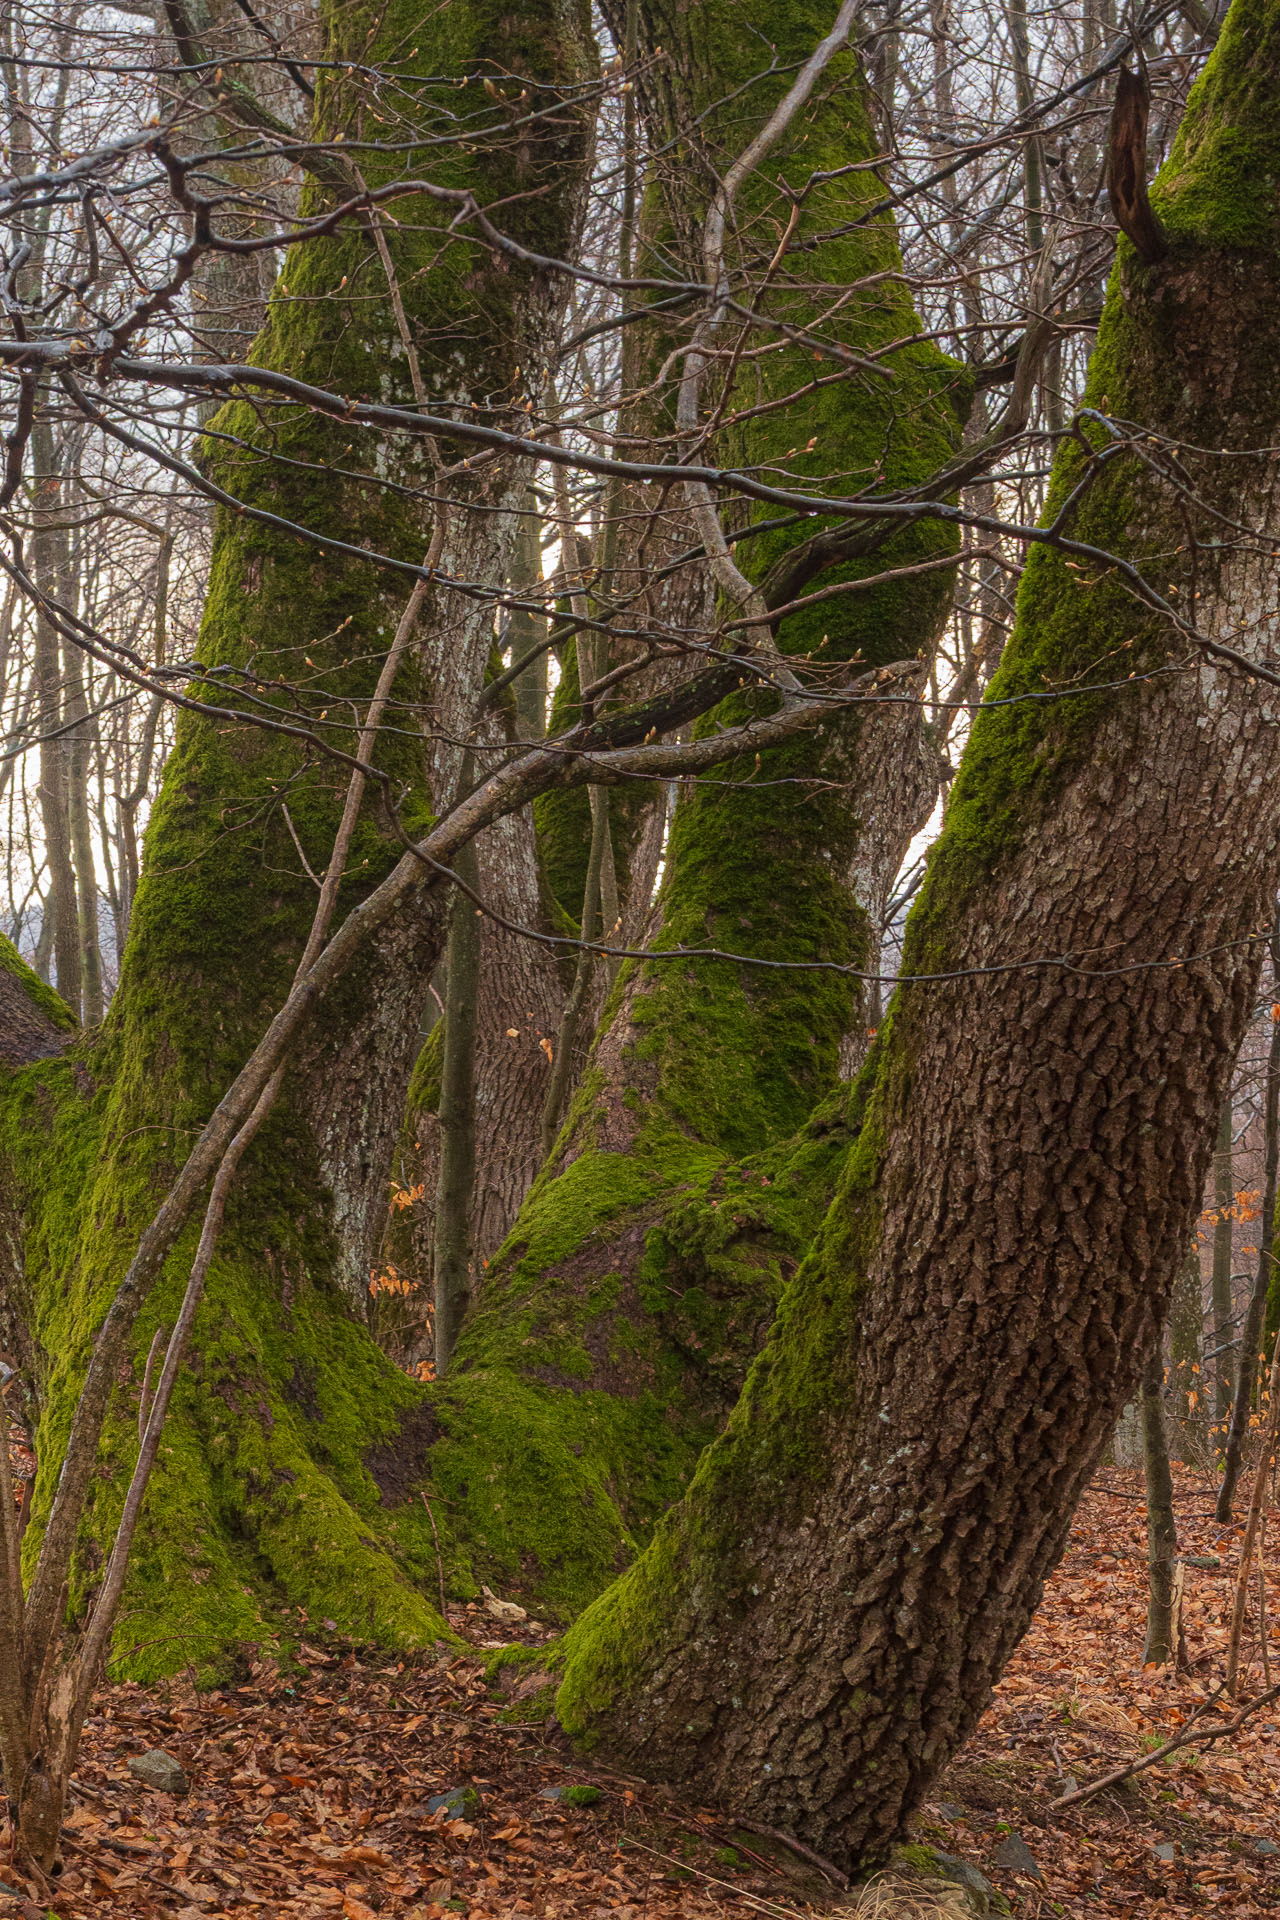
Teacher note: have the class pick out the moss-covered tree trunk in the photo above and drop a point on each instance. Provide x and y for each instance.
(612, 1334)
(269, 1489)
(819, 1623)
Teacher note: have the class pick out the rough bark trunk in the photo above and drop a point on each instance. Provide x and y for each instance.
(611, 1335)
(271, 1484)
(453, 1247)
(820, 1621)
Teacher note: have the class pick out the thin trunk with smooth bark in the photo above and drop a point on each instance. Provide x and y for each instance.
(1159, 1647)
(1251, 1333)
(453, 1248)
(1223, 1215)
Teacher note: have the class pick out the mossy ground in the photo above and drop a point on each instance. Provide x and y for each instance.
(615, 1329)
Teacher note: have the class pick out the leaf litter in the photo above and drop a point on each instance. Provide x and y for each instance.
(312, 1782)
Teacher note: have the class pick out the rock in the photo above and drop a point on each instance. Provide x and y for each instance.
(948, 1810)
(982, 1896)
(1166, 1851)
(580, 1796)
(1202, 1559)
(1267, 1848)
(502, 1609)
(1014, 1853)
(459, 1803)
(159, 1770)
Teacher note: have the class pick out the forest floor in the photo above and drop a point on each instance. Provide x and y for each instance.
(311, 1790)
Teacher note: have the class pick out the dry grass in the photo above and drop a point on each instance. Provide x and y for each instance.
(900, 1896)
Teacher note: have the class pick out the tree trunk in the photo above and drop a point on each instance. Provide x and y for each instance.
(1186, 1334)
(1251, 1335)
(60, 902)
(274, 1484)
(819, 1623)
(1223, 1215)
(611, 1336)
(453, 1247)
(1160, 1646)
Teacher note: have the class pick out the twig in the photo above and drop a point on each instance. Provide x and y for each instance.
(1186, 1739)
(144, 1399)
(1257, 1504)
(1262, 1608)
(312, 876)
(797, 1847)
(439, 1562)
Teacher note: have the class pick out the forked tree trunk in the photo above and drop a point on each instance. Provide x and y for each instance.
(818, 1624)
(268, 1488)
(611, 1336)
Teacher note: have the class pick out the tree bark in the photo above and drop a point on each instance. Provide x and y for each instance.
(453, 1245)
(1159, 1648)
(819, 1623)
(1223, 1215)
(610, 1337)
(270, 1488)
(1251, 1333)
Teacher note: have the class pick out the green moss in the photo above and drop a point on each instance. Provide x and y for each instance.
(562, 818)
(1222, 181)
(705, 1566)
(40, 995)
(924, 1859)
(617, 1325)
(265, 1497)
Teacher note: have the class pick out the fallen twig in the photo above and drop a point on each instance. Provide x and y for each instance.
(1189, 1737)
(798, 1847)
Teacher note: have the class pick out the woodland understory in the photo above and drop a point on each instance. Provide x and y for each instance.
(640, 955)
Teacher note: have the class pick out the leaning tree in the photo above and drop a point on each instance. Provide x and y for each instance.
(818, 1624)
